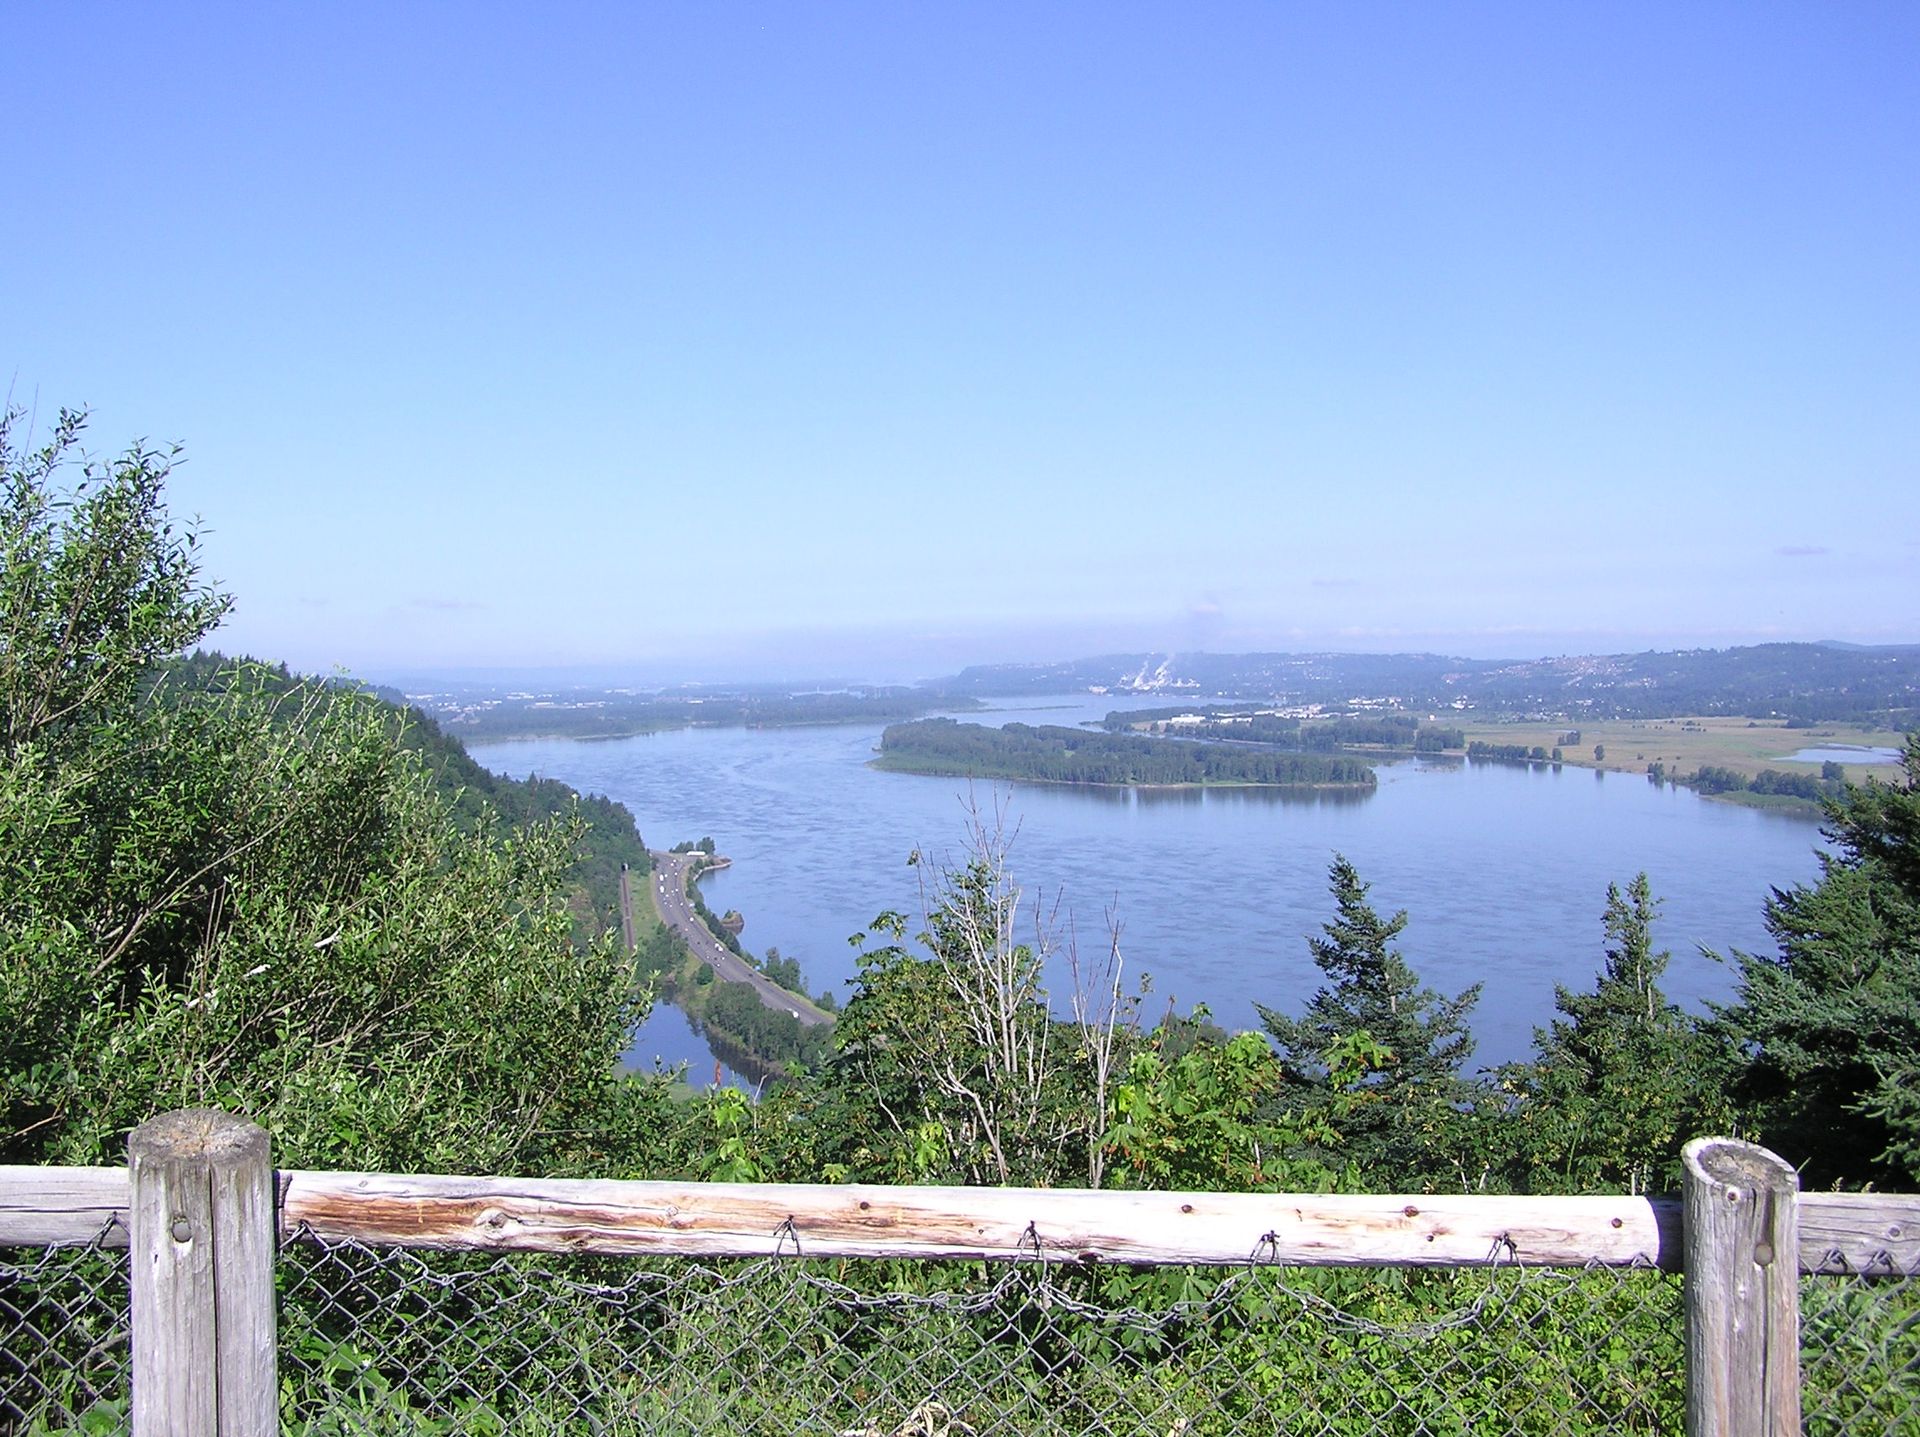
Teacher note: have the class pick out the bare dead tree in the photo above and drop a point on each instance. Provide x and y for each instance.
(1107, 1018)
(1018, 1087)
(999, 1068)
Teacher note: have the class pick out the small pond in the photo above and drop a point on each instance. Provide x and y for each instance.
(1841, 753)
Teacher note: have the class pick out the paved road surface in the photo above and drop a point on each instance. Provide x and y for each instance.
(670, 894)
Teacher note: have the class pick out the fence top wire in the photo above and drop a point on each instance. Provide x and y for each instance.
(1032, 1276)
(1032, 1344)
(1878, 1263)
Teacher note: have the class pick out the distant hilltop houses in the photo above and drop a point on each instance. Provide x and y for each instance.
(1800, 683)
(1788, 681)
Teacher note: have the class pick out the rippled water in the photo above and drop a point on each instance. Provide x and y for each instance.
(1503, 868)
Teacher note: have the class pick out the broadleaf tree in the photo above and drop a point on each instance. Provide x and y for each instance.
(250, 894)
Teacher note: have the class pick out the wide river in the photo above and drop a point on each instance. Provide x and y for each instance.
(1502, 869)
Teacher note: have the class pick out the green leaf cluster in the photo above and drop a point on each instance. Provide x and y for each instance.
(252, 895)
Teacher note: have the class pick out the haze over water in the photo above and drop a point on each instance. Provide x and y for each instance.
(1503, 869)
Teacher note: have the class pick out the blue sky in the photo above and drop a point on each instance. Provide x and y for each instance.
(876, 339)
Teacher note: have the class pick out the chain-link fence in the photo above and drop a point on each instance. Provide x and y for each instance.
(393, 1341)
(64, 1339)
(1860, 1348)
(379, 1339)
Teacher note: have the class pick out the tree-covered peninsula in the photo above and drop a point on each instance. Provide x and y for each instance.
(1051, 754)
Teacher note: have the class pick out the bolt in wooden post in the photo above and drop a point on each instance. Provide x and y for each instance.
(202, 1236)
(1743, 1291)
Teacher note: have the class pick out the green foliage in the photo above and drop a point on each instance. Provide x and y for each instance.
(754, 1037)
(1618, 1082)
(250, 895)
(1513, 752)
(1065, 755)
(1713, 779)
(95, 587)
(1208, 1120)
(784, 971)
(608, 838)
(1826, 1028)
(1401, 1116)
(730, 1156)
(950, 1066)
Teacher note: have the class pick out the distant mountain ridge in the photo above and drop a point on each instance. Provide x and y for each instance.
(1791, 680)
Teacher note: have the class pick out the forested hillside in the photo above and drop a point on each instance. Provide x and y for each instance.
(1805, 681)
(603, 713)
(220, 885)
(252, 893)
(608, 838)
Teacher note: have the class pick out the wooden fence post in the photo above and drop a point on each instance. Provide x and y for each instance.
(1743, 1291)
(201, 1227)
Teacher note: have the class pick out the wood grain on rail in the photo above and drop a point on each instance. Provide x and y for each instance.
(1877, 1233)
(760, 1219)
(63, 1207)
(1852, 1232)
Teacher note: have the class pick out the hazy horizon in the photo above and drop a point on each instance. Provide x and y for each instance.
(880, 342)
(720, 673)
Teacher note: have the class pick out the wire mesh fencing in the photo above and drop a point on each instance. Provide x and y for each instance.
(386, 1340)
(395, 1341)
(1860, 1348)
(65, 1351)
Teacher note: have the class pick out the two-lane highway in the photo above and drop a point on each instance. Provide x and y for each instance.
(670, 896)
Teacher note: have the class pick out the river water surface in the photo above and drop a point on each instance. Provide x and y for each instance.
(1503, 869)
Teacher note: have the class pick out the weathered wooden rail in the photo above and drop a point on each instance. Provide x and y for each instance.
(1854, 1231)
(203, 1211)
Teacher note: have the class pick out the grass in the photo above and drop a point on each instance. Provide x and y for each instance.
(1685, 744)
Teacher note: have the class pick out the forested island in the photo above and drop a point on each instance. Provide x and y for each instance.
(1051, 754)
